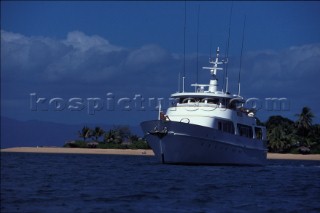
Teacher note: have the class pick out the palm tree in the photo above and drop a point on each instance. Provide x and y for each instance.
(97, 133)
(280, 138)
(280, 134)
(117, 134)
(304, 122)
(108, 136)
(85, 133)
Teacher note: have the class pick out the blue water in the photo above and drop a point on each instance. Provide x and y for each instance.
(108, 183)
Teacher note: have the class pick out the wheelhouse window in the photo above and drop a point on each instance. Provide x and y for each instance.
(245, 130)
(187, 100)
(234, 103)
(226, 126)
(174, 102)
(223, 101)
(210, 100)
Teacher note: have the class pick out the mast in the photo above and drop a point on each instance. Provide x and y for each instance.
(198, 46)
(227, 51)
(213, 71)
(184, 45)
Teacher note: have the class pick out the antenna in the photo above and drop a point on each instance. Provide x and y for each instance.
(227, 51)
(210, 48)
(159, 113)
(184, 44)
(198, 44)
(244, 25)
(179, 76)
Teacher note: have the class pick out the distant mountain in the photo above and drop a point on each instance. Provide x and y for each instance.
(41, 133)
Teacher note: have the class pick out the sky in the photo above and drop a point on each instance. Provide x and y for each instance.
(109, 62)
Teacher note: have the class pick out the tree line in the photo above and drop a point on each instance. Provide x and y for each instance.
(119, 137)
(287, 136)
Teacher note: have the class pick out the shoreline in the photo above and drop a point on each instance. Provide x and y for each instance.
(63, 150)
(140, 152)
(278, 156)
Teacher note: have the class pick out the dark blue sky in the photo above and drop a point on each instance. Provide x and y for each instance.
(69, 49)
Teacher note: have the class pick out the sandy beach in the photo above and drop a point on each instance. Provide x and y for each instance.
(272, 156)
(61, 150)
(277, 156)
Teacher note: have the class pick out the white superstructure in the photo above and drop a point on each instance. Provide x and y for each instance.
(207, 126)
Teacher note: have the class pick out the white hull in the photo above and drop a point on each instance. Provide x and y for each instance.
(182, 143)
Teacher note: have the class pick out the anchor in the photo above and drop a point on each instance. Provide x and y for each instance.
(159, 133)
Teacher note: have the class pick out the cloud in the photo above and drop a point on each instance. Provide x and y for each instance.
(93, 61)
(294, 69)
(26, 58)
(146, 55)
(81, 58)
(78, 58)
(78, 40)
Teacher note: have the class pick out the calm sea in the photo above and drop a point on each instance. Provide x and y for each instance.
(109, 183)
